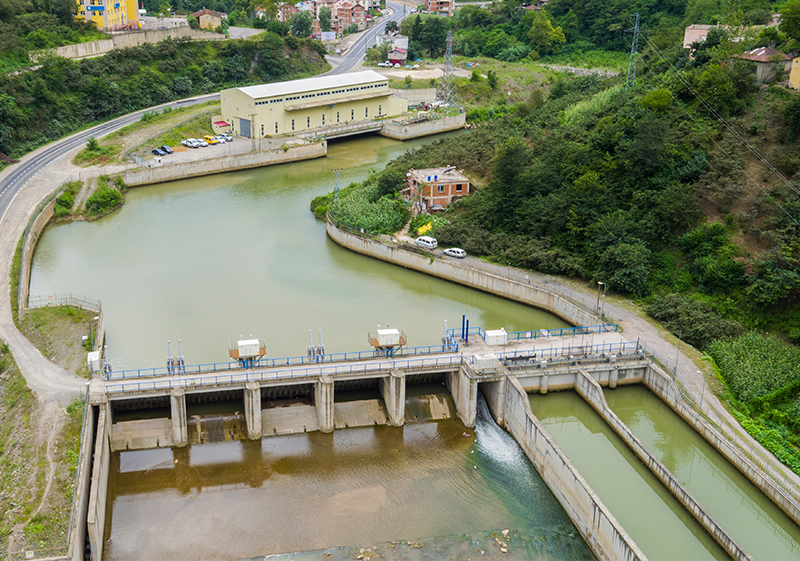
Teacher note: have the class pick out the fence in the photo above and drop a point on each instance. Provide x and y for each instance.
(768, 467)
(287, 374)
(65, 300)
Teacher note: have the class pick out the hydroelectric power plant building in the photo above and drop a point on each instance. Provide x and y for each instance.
(311, 103)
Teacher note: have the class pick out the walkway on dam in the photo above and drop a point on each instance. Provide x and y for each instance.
(546, 348)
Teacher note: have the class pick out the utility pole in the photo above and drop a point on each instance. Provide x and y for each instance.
(631, 81)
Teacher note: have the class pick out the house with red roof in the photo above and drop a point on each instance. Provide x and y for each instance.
(769, 63)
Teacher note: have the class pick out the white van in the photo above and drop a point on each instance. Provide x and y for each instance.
(427, 242)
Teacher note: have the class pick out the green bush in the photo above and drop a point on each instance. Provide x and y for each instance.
(360, 208)
(695, 322)
(103, 200)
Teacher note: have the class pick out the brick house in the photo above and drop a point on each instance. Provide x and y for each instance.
(436, 187)
(346, 13)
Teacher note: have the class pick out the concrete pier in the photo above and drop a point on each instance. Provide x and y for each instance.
(180, 430)
(252, 410)
(464, 389)
(323, 399)
(393, 389)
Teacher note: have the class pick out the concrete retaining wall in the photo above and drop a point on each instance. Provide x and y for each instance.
(414, 130)
(590, 390)
(449, 270)
(172, 172)
(424, 95)
(29, 246)
(123, 40)
(80, 505)
(604, 535)
(96, 515)
(663, 387)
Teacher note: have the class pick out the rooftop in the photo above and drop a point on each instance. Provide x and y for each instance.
(446, 174)
(764, 54)
(312, 84)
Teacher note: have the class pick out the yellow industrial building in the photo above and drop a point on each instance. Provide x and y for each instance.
(311, 103)
(109, 14)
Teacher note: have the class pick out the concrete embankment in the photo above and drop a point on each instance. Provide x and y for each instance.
(603, 533)
(592, 393)
(404, 131)
(449, 270)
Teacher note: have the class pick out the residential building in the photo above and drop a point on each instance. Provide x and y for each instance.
(441, 7)
(209, 19)
(398, 56)
(769, 63)
(794, 74)
(436, 187)
(308, 104)
(108, 14)
(346, 13)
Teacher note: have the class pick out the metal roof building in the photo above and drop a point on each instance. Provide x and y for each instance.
(310, 103)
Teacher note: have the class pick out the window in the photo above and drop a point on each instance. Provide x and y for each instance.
(323, 119)
(379, 110)
(276, 128)
(308, 122)
(440, 188)
(337, 116)
(458, 187)
(292, 124)
(262, 130)
(352, 115)
(366, 112)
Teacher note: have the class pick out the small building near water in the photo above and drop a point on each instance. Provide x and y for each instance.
(436, 188)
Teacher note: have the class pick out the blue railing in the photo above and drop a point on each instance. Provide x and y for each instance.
(537, 334)
(450, 347)
(244, 376)
(578, 351)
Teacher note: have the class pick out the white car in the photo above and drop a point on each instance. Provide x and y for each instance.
(228, 138)
(455, 252)
(221, 139)
(202, 143)
(397, 65)
(427, 242)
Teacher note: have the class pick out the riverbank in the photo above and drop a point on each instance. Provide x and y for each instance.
(684, 361)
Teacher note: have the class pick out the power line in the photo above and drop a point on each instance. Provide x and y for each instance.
(736, 135)
(631, 81)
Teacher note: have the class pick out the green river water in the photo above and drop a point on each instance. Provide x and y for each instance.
(206, 260)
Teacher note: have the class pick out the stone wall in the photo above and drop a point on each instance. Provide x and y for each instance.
(28, 247)
(399, 131)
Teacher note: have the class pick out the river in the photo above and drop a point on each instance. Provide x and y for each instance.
(206, 260)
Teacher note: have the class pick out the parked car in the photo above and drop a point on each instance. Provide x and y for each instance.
(397, 65)
(202, 143)
(455, 252)
(186, 142)
(228, 138)
(210, 139)
(167, 149)
(191, 143)
(427, 242)
(158, 152)
(221, 139)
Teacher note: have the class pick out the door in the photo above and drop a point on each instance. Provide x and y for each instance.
(244, 128)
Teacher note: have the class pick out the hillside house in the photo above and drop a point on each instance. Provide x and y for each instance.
(209, 19)
(769, 63)
(398, 56)
(436, 187)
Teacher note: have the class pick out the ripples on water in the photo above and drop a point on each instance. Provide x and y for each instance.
(447, 494)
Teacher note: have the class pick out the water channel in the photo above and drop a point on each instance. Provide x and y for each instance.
(206, 260)
(656, 521)
(756, 523)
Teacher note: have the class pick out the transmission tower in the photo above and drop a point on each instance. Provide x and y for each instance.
(446, 94)
(634, 48)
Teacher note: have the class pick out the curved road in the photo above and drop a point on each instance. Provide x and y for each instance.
(24, 184)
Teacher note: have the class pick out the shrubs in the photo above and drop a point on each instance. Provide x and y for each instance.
(360, 208)
(696, 322)
(104, 199)
(66, 199)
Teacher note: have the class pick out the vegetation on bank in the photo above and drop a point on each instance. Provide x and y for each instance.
(57, 332)
(63, 95)
(106, 198)
(24, 467)
(762, 376)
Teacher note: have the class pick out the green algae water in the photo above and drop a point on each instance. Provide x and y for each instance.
(753, 520)
(206, 260)
(654, 519)
(432, 491)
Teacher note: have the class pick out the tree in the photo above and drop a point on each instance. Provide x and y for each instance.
(626, 267)
(192, 21)
(491, 76)
(302, 24)
(391, 26)
(543, 37)
(325, 17)
(790, 19)
(164, 9)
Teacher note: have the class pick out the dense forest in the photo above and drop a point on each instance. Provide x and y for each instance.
(678, 192)
(65, 95)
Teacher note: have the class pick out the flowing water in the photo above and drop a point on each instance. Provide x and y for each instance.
(423, 491)
(754, 521)
(208, 259)
(656, 521)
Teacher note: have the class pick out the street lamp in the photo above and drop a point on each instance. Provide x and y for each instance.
(603, 312)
